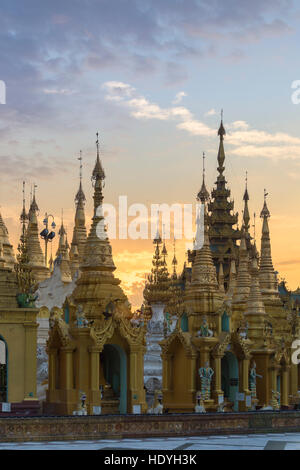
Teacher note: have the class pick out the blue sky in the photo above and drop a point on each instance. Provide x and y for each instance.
(74, 67)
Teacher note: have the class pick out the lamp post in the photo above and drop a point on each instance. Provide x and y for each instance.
(46, 235)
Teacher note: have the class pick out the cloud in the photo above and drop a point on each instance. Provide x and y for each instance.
(244, 140)
(63, 91)
(211, 112)
(179, 96)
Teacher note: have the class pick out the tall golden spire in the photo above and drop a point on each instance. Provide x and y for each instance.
(36, 257)
(203, 269)
(221, 279)
(222, 235)
(267, 275)
(246, 216)
(232, 281)
(242, 290)
(97, 286)
(25, 278)
(255, 311)
(63, 254)
(79, 231)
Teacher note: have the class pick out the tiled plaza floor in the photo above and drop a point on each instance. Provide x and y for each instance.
(234, 442)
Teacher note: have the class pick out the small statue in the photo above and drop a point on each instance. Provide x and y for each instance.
(243, 330)
(253, 376)
(199, 408)
(204, 331)
(82, 411)
(221, 407)
(157, 408)
(80, 321)
(206, 373)
(268, 329)
(275, 401)
(26, 300)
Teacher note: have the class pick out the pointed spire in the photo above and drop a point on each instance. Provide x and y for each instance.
(267, 275)
(79, 231)
(232, 281)
(33, 206)
(62, 236)
(63, 253)
(203, 194)
(243, 278)
(255, 309)
(255, 304)
(246, 216)
(80, 196)
(254, 227)
(221, 153)
(97, 248)
(221, 278)
(174, 262)
(97, 287)
(98, 172)
(36, 259)
(203, 269)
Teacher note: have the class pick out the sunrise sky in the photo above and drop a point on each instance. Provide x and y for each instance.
(152, 76)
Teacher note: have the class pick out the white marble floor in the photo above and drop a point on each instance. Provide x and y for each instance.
(232, 442)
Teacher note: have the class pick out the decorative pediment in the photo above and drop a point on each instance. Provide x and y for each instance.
(241, 346)
(222, 345)
(103, 329)
(184, 338)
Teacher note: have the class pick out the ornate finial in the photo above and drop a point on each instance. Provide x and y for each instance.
(98, 172)
(265, 211)
(33, 205)
(80, 168)
(97, 143)
(174, 260)
(24, 215)
(221, 131)
(80, 196)
(203, 194)
(246, 195)
(254, 227)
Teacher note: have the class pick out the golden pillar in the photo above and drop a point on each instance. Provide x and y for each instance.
(30, 361)
(217, 377)
(67, 372)
(51, 369)
(167, 372)
(94, 369)
(192, 375)
(293, 386)
(285, 386)
(244, 383)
